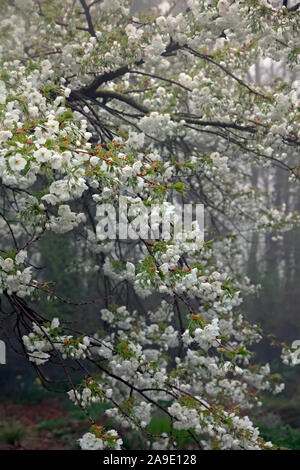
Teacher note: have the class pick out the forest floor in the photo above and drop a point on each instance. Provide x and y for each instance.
(39, 426)
(52, 423)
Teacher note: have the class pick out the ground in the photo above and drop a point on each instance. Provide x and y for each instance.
(53, 423)
(39, 426)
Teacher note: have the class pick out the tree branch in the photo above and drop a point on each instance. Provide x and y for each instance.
(295, 7)
(237, 79)
(108, 76)
(108, 94)
(88, 18)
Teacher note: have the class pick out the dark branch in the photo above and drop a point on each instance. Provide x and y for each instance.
(108, 76)
(295, 7)
(88, 18)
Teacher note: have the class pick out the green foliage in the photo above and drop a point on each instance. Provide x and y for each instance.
(57, 253)
(281, 435)
(12, 432)
(159, 424)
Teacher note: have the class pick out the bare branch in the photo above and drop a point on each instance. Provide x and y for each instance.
(88, 18)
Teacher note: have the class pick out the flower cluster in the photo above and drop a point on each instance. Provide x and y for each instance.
(46, 338)
(100, 440)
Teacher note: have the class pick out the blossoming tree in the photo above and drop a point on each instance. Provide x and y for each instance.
(98, 106)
